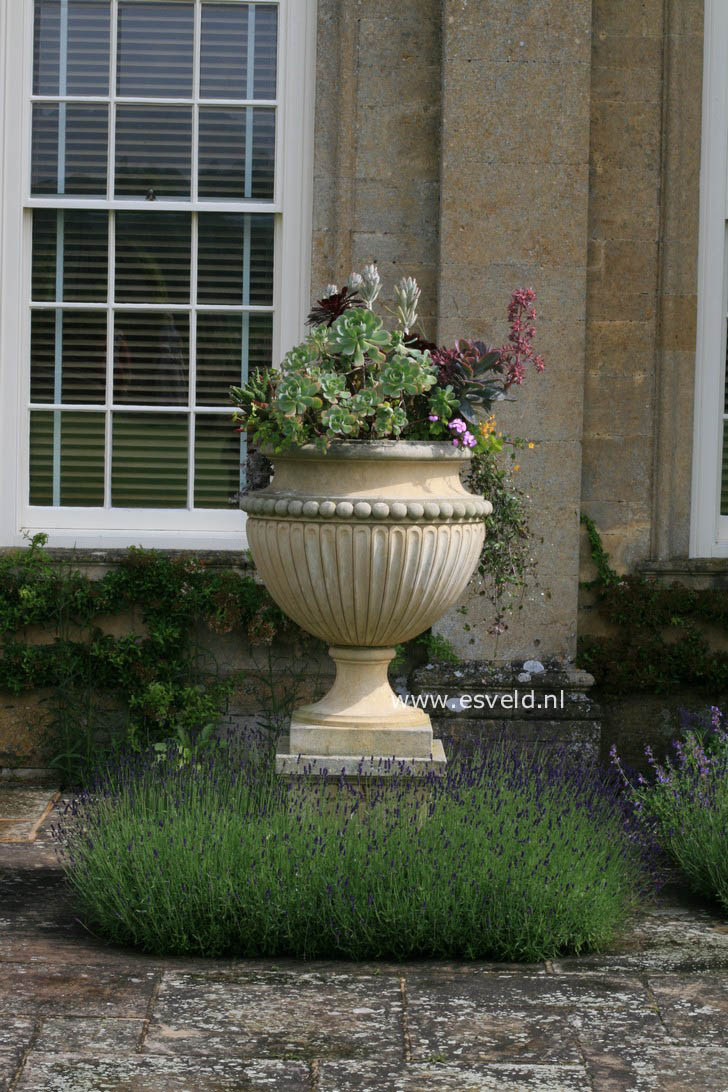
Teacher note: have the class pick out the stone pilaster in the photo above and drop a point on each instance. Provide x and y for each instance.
(377, 143)
(513, 212)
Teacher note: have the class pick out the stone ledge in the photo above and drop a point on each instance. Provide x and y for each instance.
(698, 572)
(332, 767)
(27, 774)
(488, 692)
(214, 559)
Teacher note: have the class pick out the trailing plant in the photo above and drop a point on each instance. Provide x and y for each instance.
(684, 803)
(659, 643)
(508, 856)
(506, 559)
(145, 686)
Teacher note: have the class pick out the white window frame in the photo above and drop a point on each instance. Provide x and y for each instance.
(709, 530)
(293, 200)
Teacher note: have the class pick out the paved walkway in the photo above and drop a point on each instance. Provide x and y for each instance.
(76, 1016)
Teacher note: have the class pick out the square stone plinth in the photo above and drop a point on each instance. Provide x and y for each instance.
(333, 766)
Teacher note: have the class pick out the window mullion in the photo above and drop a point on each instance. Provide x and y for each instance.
(194, 182)
(192, 364)
(61, 183)
(111, 275)
(108, 421)
(196, 49)
(111, 151)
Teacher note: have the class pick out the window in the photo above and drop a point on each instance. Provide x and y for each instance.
(709, 529)
(157, 209)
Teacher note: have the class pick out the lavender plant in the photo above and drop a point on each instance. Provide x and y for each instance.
(508, 857)
(684, 804)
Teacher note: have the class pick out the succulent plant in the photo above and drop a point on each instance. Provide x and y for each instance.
(352, 377)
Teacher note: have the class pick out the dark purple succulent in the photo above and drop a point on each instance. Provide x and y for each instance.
(328, 309)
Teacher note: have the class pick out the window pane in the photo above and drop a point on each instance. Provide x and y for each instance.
(229, 33)
(235, 262)
(227, 347)
(69, 149)
(266, 51)
(217, 462)
(153, 151)
(233, 161)
(151, 358)
(66, 458)
(153, 257)
(82, 272)
(149, 460)
(78, 65)
(154, 54)
(68, 356)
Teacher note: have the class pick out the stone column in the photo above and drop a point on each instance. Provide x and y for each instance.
(514, 212)
(377, 146)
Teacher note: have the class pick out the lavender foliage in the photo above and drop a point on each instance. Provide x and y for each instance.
(507, 856)
(683, 804)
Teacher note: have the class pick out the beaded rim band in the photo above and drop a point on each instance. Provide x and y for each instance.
(277, 507)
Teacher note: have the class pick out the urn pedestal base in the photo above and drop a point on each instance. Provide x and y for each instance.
(361, 726)
(336, 766)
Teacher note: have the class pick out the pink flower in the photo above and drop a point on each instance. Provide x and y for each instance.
(433, 417)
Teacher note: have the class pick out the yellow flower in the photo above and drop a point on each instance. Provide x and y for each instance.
(531, 445)
(516, 466)
(487, 427)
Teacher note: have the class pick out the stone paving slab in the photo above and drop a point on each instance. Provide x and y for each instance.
(14, 1030)
(372, 1077)
(264, 1014)
(658, 1069)
(9, 1065)
(443, 1028)
(89, 1035)
(16, 1036)
(16, 830)
(69, 1073)
(23, 809)
(74, 990)
(694, 1007)
(512, 992)
(25, 801)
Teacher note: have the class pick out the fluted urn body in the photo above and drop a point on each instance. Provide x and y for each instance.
(365, 545)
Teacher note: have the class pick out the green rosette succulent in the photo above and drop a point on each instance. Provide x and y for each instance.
(359, 333)
(406, 375)
(340, 420)
(296, 394)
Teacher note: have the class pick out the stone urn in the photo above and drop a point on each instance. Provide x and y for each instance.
(365, 545)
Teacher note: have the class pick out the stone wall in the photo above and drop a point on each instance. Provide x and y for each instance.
(514, 213)
(643, 230)
(377, 143)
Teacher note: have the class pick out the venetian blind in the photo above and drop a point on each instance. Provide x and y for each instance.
(153, 142)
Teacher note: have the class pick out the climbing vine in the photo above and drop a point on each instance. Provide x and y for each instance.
(659, 643)
(146, 685)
